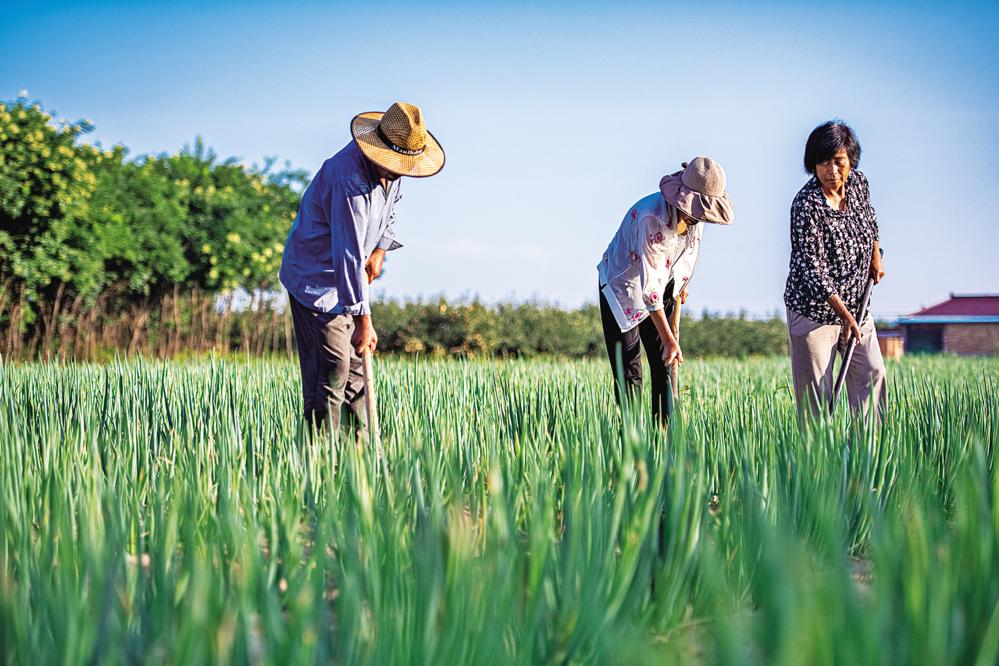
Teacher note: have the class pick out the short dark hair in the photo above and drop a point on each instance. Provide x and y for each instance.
(826, 140)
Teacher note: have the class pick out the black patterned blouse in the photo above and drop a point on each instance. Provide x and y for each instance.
(830, 249)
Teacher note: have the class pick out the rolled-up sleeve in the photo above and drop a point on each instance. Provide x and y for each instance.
(348, 225)
(808, 252)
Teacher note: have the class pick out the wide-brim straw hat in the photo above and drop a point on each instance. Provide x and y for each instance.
(398, 140)
(699, 191)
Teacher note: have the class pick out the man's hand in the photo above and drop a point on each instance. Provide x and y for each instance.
(683, 296)
(364, 337)
(373, 267)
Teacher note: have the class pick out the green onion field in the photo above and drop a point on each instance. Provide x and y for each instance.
(175, 513)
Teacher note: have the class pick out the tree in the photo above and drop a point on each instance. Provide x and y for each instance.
(46, 183)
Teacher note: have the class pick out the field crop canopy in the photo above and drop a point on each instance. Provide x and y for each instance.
(175, 513)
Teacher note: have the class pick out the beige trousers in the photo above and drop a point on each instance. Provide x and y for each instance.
(814, 347)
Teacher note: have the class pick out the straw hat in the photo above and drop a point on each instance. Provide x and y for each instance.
(699, 191)
(398, 140)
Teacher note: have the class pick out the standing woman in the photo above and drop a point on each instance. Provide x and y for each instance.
(646, 268)
(834, 248)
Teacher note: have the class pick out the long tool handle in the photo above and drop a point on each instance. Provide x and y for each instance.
(674, 370)
(370, 404)
(862, 312)
(850, 348)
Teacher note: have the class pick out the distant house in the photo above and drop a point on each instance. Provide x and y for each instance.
(965, 324)
(892, 342)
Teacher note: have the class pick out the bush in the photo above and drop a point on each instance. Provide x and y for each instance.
(77, 221)
(531, 329)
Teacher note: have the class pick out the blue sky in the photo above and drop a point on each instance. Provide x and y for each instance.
(557, 117)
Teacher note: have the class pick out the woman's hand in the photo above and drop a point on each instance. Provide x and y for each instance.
(850, 327)
(671, 348)
(671, 352)
(682, 296)
(877, 268)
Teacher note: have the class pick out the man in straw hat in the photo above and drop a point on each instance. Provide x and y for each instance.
(344, 227)
(647, 267)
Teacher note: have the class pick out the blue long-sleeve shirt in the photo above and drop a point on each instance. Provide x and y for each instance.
(344, 215)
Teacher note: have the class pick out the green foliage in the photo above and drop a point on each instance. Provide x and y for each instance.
(86, 220)
(46, 183)
(717, 335)
(176, 513)
(531, 329)
(189, 219)
(77, 221)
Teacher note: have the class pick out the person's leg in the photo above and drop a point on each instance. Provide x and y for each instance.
(865, 378)
(659, 372)
(309, 342)
(353, 396)
(813, 350)
(334, 367)
(627, 345)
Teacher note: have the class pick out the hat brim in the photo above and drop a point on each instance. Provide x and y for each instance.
(429, 162)
(716, 210)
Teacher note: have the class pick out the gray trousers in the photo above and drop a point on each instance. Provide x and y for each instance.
(814, 347)
(332, 372)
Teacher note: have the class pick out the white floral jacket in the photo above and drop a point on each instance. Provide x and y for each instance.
(644, 255)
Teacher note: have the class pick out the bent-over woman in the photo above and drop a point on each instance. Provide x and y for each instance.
(647, 266)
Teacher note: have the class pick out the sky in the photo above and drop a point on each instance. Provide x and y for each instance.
(556, 117)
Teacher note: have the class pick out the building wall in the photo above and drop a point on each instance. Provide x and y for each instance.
(891, 346)
(971, 338)
(923, 338)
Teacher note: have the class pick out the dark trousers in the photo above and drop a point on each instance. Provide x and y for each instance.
(628, 345)
(332, 372)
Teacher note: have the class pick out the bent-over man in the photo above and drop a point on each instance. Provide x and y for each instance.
(344, 227)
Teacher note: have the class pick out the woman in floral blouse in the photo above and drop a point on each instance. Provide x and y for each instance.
(647, 267)
(834, 248)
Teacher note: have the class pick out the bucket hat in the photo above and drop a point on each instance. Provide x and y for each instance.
(398, 140)
(699, 191)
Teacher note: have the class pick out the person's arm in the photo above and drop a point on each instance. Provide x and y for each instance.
(877, 264)
(653, 276)
(877, 271)
(808, 252)
(348, 225)
(684, 268)
(653, 273)
(386, 243)
(373, 267)
(671, 348)
(849, 322)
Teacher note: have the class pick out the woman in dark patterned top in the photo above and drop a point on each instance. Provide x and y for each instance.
(834, 248)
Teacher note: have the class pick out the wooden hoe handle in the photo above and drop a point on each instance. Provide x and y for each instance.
(370, 404)
(674, 370)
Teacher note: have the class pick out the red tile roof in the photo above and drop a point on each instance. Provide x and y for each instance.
(971, 305)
